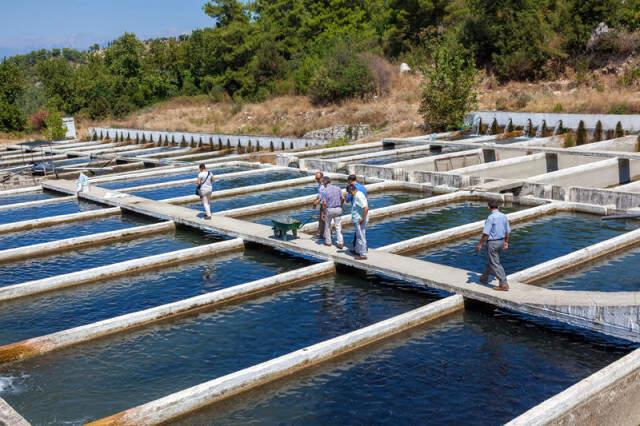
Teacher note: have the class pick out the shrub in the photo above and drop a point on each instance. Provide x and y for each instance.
(37, 120)
(342, 75)
(558, 108)
(522, 99)
(449, 90)
(55, 128)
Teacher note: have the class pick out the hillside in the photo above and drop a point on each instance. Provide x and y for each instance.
(395, 114)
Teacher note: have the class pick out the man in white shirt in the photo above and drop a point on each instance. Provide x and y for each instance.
(359, 214)
(205, 188)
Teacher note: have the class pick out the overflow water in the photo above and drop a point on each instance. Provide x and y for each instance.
(105, 376)
(531, 243)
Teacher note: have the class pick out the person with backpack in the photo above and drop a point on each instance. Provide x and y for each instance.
(205, 188)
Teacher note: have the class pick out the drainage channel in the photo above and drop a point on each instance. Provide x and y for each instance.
(188, 189)
(136, 367)
(530, 242)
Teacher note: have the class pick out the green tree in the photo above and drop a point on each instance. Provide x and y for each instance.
(55, 128)
(449, 89)
(11, 88)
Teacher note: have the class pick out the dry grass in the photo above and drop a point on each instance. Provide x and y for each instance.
(598, 95)
(393, 114)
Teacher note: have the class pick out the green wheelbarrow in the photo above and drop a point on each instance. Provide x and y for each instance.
(282, 225)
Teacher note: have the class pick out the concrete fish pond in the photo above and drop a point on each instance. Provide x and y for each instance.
(121, 304)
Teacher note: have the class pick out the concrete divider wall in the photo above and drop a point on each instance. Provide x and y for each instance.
(217, 139)
(610, 396)
(180, 403)
(31, 288)
(40, 345)
(9, 416)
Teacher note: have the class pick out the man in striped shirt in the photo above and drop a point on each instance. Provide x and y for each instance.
(331, 199)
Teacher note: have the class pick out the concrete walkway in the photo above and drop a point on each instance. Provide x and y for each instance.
(613, 313)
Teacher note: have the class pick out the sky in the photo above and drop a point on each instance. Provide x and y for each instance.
(43, 24)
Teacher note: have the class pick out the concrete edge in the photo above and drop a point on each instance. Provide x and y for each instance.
(37, 203)
(25, 190)
(9, 416)
(40, 345)
(593, 400)
(56, 220)
(577, 258)
(44, 285)
(188, 199)
(188, 400)
(192, 180)
(458, 232)
(45, 249)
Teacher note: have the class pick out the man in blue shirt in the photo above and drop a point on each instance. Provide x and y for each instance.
(496, 235)
(353, 180)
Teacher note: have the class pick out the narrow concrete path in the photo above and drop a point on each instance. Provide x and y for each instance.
(616, 313)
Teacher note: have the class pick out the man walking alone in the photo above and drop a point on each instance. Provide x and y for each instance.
(332, 200)
(496, 235)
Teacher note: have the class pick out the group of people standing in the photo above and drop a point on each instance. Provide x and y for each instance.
(331, 200)
(495, 234)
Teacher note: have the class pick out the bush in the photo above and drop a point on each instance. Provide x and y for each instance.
(37, 120)
(342, 75)
(558, 108)
(523, 99)
(449, 90)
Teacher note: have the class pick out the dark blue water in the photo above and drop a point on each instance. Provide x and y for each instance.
(71, 230)
(77, 260)
(376, 200)
(88, 303)
(48, 210)
(473, 367)
(71, 162)
(99, 378)
(23, 198)
(613, 273)
(255, 198)
(532, 242)
(218, 185)
(400, 228)
(159, 179)
(351, 153)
